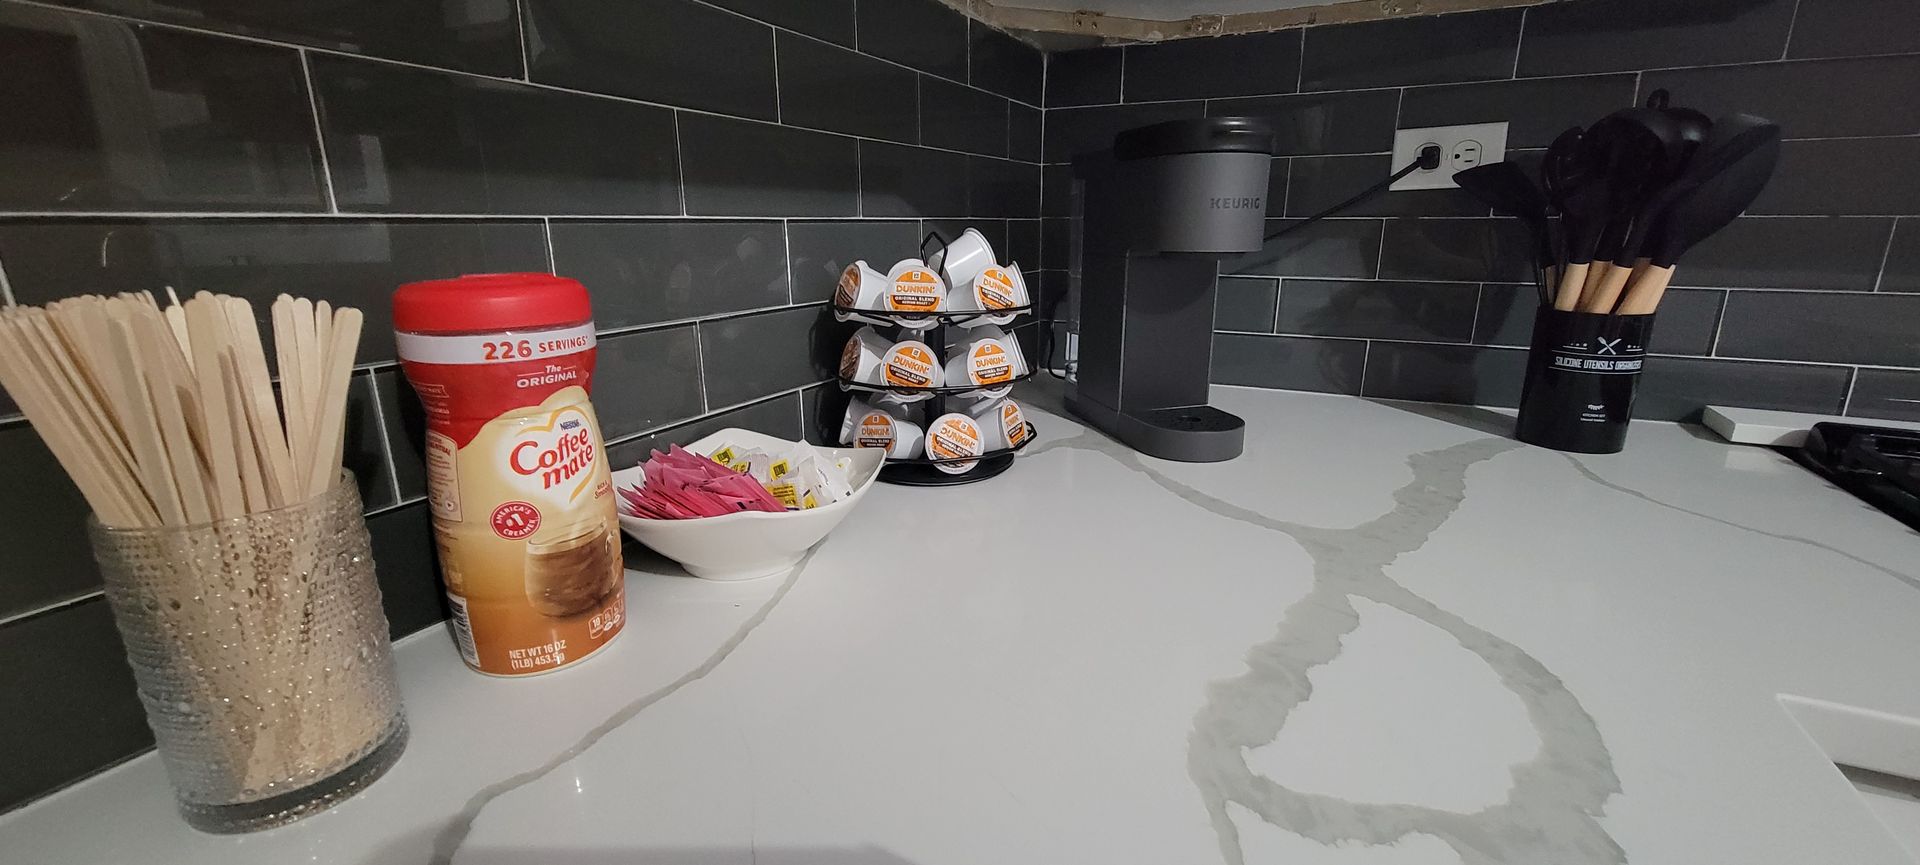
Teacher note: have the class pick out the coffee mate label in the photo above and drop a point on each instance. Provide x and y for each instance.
(521, 497)
(988, 363)
(915, 290)
(994, 290)
(910, 364)
(876, 431)
(1014, 423)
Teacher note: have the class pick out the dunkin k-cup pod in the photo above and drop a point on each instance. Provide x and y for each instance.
(865, 356)
(985, 358)
(911, 363)
(955, 435)
(872, 428)
(1002, 424)
(964, 259)
(912, 286)
(861, 287)
(996, 288)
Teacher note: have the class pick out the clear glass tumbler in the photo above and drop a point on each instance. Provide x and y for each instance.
(262, 657)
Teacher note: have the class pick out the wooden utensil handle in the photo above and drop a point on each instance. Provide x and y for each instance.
(1602, 297)
(1571, 283)
(1644, 296)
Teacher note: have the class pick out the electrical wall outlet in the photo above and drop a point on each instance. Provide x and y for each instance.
(1461, 148)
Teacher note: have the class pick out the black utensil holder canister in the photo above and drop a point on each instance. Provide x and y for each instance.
(1582, 373)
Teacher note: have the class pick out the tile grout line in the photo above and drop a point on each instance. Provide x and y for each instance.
(1879, 280)
(553, 264)
(1473, 327)
(386, 443)
(1300, 68)
(779, 93)
(319, 133)
(1793, 21)
(538, 85)
(520, 41)
(1366, 362)
(1519, 44)
(50, 608)
(6, 287)
(680, 163)
(1853, 381)
(1713, 345)
(710, 414)
(700, 364)
(786, 265)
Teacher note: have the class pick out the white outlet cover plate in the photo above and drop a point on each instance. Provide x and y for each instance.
(1461, 148)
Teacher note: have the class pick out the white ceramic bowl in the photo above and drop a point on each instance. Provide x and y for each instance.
(752, 544)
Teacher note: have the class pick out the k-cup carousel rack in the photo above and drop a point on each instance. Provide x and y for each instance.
(924, 471)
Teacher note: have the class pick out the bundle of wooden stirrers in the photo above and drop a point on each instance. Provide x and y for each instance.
(166, 417)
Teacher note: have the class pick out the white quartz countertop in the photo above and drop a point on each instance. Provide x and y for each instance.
(1387, 634)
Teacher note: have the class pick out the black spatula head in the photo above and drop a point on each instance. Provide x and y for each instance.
(1506, 188)
(1739, 169)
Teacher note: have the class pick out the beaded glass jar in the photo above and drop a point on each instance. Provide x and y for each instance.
(262, 657)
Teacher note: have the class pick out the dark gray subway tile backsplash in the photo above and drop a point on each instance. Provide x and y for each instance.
(46, 532)
(1089, 76)
(650, 272)
(1903, 258)
(959, 117)
(743, 168)
(1624, 35)
(1829, 253)
(831, 20)
(823, 86)
(1850, 28)
(678, 52)
(1536, 110)
(818, 252)
(484, 38)
(1468, 46)
(1815, 99)
(1824, 177)
(72, 706)
(1426, 312)
(197, 123)
(404, 140)
(647, 379)
(353, 262)
(1290, 362)
(1677, 388)
(927, 36)
(1004, 65)
(1885, 393)
(1878, 329)
(1254, 65)
(707, 201)
(897, 181)
(1312, 124)
(751, 356)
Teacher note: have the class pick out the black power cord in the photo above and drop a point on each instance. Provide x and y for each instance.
(1429, 160)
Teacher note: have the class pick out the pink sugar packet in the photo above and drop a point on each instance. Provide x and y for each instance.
(681, 484)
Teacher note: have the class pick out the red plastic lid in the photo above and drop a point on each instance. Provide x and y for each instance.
(486, 302)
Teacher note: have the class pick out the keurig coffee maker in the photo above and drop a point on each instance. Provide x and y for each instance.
(1158, 212)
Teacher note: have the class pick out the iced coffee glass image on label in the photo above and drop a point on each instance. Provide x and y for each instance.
(573, 573)
(517, 477)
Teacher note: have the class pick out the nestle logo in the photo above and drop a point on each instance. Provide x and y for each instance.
(1254, 203)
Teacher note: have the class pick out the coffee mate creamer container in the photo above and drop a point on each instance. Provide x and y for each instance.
(517, 480)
